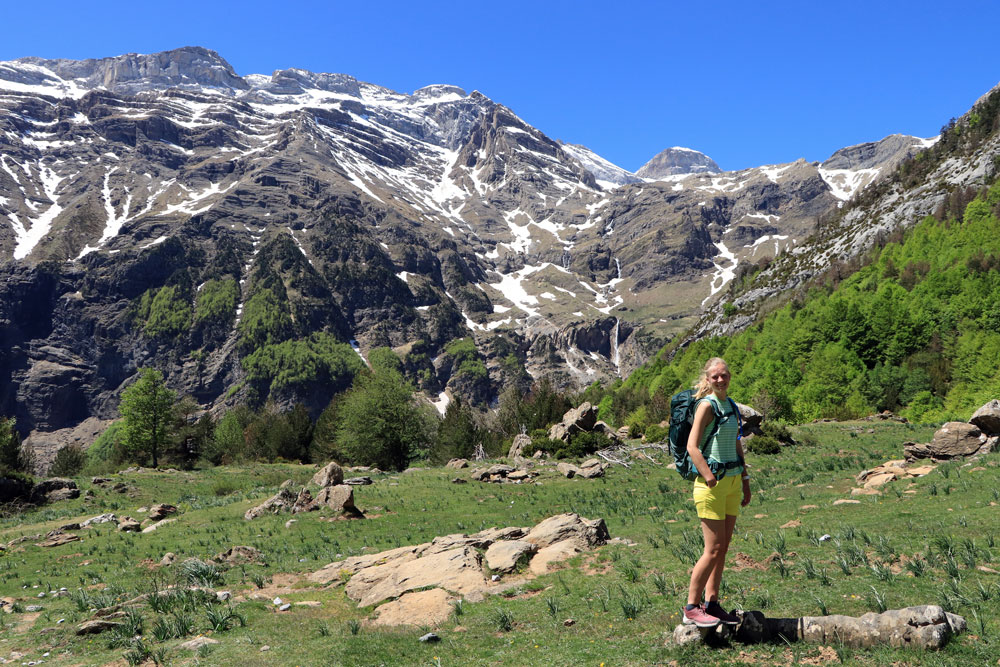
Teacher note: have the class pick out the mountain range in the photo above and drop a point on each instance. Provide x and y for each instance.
(162, 210)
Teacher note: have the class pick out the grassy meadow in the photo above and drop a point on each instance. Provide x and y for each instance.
(916, 543)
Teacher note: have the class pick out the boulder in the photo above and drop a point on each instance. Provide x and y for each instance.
(582, 418)
(987, 418)
(504, 556)
(500, 470)
(751, 418)
(567, 469)
(340, 499)
(153, 527)
(428, 608)
(953, 440)
(519, 475)
(58, 538)
(329, 475)
(359, 481)
(128, 525)
(53, 489)
(282, 501)
(161, 511)
(457, 464)
(168, 558)
(239, 555)
(518, 446)
(304, 502)
(100, 518)
(96, 626)
(589, 532)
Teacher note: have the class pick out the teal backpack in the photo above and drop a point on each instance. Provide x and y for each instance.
(681, 418)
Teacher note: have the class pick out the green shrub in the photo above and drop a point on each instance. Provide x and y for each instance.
(69, 461)
(763, 444)
(163, 312)
(657, 433)
(777, 431)
(108, 452)
(582, 444)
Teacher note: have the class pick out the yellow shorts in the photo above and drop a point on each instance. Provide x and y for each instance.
(722, 500)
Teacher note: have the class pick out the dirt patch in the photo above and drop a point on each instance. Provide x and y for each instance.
(280, 584)
(825, 655)
(743, 562)
(591, 567)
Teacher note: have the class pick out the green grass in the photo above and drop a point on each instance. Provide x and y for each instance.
(624, 599)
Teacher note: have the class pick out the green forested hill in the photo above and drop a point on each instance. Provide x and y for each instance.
(916, 330)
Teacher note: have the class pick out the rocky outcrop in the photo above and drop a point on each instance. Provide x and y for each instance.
(54, 489)
(953, 440)
(456, 564)
(519, 446)
(581, 418)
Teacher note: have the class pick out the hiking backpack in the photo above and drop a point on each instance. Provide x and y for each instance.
(681, 418)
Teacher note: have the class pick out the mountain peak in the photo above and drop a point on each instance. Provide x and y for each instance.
(676, 161)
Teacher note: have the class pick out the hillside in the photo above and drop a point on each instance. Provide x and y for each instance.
(892, 305)
(929, 541)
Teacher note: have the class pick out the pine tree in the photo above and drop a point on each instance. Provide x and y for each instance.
(146, 410)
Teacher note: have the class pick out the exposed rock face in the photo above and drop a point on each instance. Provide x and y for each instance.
(677, 161)
(54, 489)
(590, 533)
(428, 608)
(282, 501)
(456, 570)
(161, 511)
(239, 554)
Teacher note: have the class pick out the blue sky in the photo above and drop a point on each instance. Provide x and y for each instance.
(746, 83)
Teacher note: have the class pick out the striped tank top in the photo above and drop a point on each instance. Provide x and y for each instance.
(723, 445)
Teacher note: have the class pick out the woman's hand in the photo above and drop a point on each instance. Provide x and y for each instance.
(746, 493)
(710, 482)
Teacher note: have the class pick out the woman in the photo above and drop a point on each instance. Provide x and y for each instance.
(717, 497)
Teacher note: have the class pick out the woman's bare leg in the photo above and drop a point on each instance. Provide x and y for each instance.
(719, 564)
(714, 532)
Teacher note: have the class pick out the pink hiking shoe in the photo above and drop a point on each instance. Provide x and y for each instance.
(699, 617)
(715, 609)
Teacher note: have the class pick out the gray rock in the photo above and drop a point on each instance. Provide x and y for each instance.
(519, 445)
(987, 418)
(329, 475)
(282, 501)
(161, 511)
(129, 525)
(953, 440)
(457, 464)
(567, 469)
(339, 499)
(96, 626)
(676, 161)
(430, 637)
(359, 481)
(505, 555)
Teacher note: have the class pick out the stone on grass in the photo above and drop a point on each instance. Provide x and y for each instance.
(282, 501)
(96, 626)
(239, 555)
(168, 558)
(58, 538)
(196, 643)
(156, 526)
(428, 608)
(567, 469)
(359, 481)
(329, 475)
(953, 440)
(846, 501)
(129, 525)
(161, 511)
(457, 464)
(340, 499)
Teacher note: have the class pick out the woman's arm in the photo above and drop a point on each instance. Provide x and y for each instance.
(702, 415)
(745, 474)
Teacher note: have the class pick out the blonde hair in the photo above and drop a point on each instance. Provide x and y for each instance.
(703, 387)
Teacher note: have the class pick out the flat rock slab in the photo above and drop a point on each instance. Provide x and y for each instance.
(458, 571)
(987, 418)
(505, 555)
(196, 643)
(554, 553)
(96, 626)
(154, 526)
(425, 609)
(59, 539)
